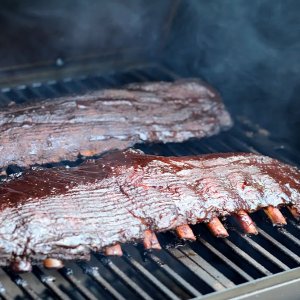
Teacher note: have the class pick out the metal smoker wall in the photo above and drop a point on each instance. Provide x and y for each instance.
(250, 51)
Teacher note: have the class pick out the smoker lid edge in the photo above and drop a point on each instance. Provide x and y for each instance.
(264, 288)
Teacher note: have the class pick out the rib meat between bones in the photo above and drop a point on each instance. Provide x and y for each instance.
(126, 196)
(61, 129)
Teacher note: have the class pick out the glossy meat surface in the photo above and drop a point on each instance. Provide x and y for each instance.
(61, 129)
(66, 212)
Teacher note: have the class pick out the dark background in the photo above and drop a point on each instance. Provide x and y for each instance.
(248, 50)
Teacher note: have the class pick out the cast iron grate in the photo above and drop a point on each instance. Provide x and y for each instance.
(181, 270)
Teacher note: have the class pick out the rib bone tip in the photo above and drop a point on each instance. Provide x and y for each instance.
(217, 228)
(114, 250)
(20, 266)
(53, 263)
(150, 240)
(275, 215)
(245, 222)
(185, 232)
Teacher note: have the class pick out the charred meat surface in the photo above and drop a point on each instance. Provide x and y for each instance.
(62, 129)
(64, 213)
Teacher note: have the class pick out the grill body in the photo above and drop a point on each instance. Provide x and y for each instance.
(209, 268)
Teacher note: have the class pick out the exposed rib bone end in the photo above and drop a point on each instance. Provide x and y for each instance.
(294, 212)
(275, 215)
(216, 228)
(3, 173)
(185, 232)
(245, 222)
(114, 250)
(21, 266)
(53, 263)
(150, 240)
(87, 153)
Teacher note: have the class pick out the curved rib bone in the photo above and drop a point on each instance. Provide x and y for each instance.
(150, 240)
(21, 266)
(245, 222)
(114, 250)
(53, 263)
(275, 215)
(216, 228)
(185, 232)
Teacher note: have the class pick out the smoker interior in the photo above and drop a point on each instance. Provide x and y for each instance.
(209, 267)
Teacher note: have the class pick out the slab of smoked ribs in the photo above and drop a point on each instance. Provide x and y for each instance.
(63, 128)
(64, 213)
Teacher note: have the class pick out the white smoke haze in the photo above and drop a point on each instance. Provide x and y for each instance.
(249, 50)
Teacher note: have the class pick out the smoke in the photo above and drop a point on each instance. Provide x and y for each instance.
(249, 50)
(38, 30)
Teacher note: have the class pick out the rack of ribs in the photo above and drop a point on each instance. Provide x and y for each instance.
(63, 128)
(61, 213)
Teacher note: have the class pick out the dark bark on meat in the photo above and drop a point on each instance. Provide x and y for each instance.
(64, 213)
(63, 128)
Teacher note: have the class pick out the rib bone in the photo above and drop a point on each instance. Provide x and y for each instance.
(245, 222)
(275, 215)
(53, 263)
(217, 229)
(150, 240)
(114, 250)
(185, 232)
(21, 266)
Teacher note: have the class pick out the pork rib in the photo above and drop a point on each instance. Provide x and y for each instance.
(64, 213)
(63, 128)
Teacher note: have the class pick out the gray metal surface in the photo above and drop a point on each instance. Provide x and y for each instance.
(276, 287)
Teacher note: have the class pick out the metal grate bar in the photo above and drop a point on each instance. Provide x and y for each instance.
(290, 236)
(5, 296)
(287, 149)
(95, 275)
(47, 91)
(231, 264)
(296, 225)
(5, 99)
(51, 87)
(264, 252)
(128, 281)
(263, 145)
(72, 86)
(267, 149)
(68, 274)
(276, 243)
(49, 282)
(68, 85)
(206, 266)
(3, 293)
(181, 281)
(196, 269)
(26, 288)
(150, 277)
(247, 257)
(241, 144)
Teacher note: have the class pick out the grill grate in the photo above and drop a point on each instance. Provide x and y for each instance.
(180, 270)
